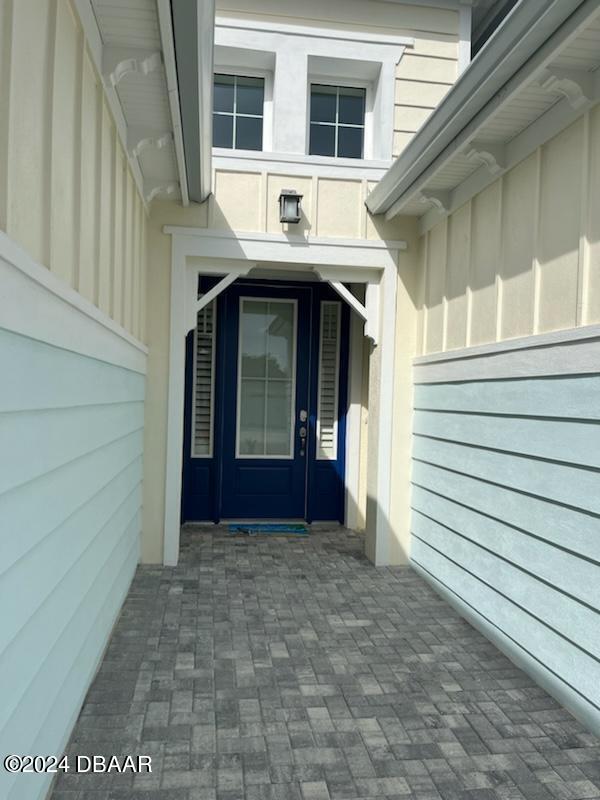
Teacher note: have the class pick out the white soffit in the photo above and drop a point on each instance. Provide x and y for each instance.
(549, 98)
(125, 41)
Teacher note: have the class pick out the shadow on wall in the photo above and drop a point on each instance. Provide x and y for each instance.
(521, 233)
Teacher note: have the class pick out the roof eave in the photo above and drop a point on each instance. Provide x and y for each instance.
(526, 31)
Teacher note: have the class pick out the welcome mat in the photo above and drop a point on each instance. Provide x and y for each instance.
(254, 528)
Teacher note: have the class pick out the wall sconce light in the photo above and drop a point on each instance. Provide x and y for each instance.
(289, 206)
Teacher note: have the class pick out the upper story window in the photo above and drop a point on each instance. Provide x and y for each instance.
(238, 112)
(337, 121)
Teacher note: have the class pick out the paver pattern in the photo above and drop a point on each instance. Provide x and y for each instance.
(287, 668)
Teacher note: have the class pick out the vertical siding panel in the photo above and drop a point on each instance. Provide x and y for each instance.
(144, 268)
(105, 222)
(436, 278)
(118, 233)
(89, 129)
(591, 274)
(518, 224)
(128, 251)
(558, 253)
(457, 278)
(65, 134)
(485, 230)
(6, 37)
(422, 304)
(28, 132)
(135, 319)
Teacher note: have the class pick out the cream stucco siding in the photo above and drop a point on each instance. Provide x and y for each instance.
(66, 192)
(523, 256)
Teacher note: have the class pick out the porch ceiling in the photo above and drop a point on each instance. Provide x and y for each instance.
(533, 100)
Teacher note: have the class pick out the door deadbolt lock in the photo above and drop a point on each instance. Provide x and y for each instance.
(303, 415)
(302, 432)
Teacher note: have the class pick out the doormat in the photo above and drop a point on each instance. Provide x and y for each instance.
(254, 528)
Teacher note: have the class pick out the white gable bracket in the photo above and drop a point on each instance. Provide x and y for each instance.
(139, 138)
(576, 85)
(152, 188)
(120, 61)
(198, 303)
(369, 312)
(492, 156)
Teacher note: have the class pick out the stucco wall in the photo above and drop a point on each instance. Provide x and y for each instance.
(523, 257)
(66, 192)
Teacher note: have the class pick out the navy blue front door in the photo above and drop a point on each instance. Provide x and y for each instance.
(266, 387)
(266, 375)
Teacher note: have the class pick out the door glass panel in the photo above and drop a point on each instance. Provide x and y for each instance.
(252, 417)
(266, 378)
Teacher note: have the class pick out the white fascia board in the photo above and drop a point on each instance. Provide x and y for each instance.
(166, 37)
(526, 41)
(96, 48)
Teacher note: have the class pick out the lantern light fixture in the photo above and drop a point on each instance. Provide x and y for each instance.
(289, 206)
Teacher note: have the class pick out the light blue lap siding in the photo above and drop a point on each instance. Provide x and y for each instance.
(71, 433)
(506, 519)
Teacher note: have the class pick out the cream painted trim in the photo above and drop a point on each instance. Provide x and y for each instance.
(37, 304)
(353, 423)
(358, 261)
(299, 164)
(570, 352)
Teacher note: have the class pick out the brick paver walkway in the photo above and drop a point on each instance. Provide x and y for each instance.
(267, 668)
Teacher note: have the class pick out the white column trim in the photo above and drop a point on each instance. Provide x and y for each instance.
(383, 445)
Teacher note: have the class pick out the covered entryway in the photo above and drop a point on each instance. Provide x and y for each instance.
(266, 404)
(270, 426)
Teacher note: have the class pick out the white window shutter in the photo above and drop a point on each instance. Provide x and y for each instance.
(203, 389)
(329, 363)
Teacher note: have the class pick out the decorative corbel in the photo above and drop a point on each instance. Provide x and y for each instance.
(492, 156)
(120, 61)
(440, 199)
(152, 188)
(576, 85)
(138, 139)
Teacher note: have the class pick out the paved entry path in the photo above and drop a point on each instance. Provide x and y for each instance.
(267, 668)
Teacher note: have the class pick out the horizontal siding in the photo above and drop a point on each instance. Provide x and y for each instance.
(505, 517)
(71, 435)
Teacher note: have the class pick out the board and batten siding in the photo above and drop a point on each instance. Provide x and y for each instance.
(506, 500)
(67, 194)
(523, 256)
(71, 440)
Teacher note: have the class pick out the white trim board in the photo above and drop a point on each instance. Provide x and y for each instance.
(37, 304)
(299, 165)
(571, 352)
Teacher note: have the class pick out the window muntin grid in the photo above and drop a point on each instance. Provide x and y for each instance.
(238, 112)
(337, 121)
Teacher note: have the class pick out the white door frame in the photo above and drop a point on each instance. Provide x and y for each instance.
(196, 251)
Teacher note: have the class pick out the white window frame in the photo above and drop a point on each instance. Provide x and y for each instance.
(336, 401)
(349, 83)
(210, 453)
(251, 457)
(267, 76)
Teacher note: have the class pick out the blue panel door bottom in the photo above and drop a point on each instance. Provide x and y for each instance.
(234, 485)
